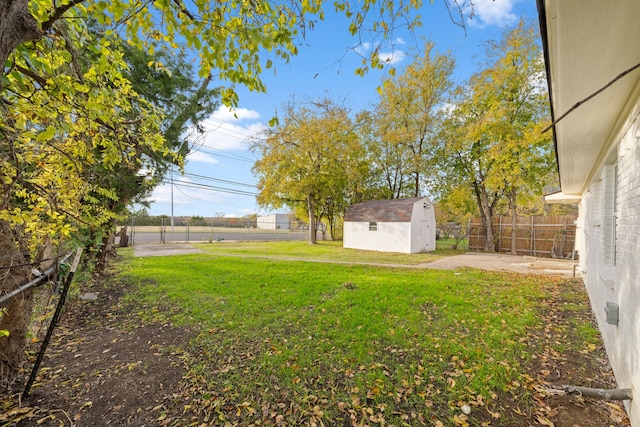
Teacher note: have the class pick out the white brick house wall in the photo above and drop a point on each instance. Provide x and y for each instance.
(591, 55)
(610, 257)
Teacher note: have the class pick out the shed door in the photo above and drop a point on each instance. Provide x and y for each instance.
(425, 232)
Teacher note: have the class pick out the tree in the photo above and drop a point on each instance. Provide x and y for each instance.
(492, 144)
(408, 121)
(311, 160)
(64, 135)
(167, 82)
(387, 180)
(75, 129)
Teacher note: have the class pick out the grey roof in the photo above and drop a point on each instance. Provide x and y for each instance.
(395, 210)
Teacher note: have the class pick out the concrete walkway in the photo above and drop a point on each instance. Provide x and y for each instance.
(501, 262)
(482, 261)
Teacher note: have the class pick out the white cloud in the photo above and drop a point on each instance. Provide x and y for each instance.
(228, 129)
(162, 194)
(492, 12)
(200, 157)
(229, 114)
(363, 48)
(447, 108)
(392, 58)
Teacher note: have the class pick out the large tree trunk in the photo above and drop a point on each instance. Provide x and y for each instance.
(16, 27)
(18, 309)
(514, 213)
(489, 244)
(486, 213)
(313, 228)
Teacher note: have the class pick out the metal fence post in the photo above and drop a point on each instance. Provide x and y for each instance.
(54, 320)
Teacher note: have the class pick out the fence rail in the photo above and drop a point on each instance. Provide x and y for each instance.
(540, 236)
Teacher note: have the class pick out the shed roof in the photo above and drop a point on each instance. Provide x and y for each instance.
(395, 210)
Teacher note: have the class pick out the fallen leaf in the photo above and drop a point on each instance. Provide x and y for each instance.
(545, 421)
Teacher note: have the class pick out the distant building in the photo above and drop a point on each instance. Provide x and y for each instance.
(397, 225)
(274, 222)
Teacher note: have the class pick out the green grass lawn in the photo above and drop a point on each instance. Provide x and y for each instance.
(327, 250)
(285, 342)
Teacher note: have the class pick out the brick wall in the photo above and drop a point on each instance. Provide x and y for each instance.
(610, 257)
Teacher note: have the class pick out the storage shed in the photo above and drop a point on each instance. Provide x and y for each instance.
(397, 225)
(274, 222)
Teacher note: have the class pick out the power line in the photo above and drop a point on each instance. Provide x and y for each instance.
(235, 125)
(209, 178)
(212, 188)
(209, 187)
(228, 156)
(228, 152)
(238, 136)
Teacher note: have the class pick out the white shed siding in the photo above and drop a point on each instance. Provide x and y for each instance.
(424, 225)
(389, 237)
(411, 230)
(613, 267)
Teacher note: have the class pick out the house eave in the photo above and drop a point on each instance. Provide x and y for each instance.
(587, 44)
(560, 198)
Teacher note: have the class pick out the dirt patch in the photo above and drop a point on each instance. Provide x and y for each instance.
(553, 367)
(106, 366)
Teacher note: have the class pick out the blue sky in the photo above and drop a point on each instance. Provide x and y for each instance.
(325, 65)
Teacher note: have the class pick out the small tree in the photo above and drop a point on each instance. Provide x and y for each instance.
(309, 161)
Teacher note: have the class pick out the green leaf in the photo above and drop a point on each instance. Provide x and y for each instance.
(47, 134)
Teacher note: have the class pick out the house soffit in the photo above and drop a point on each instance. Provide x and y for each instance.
(589, 43)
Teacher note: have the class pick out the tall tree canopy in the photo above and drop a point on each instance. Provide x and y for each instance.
(314, 159)
(408, 121)
(493, 150)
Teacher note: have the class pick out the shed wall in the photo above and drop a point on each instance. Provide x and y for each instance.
(389, 236)
(416, 234)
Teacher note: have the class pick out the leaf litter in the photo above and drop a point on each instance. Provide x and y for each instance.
(111, 364)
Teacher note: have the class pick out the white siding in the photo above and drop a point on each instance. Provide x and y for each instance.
(389, 236)
(417, 235)
(423, 228)
(613, 266)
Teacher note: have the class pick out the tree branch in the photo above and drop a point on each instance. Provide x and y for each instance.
(57, 14)
(31, 74)
(184, 10)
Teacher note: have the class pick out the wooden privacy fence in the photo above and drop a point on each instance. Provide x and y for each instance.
(540, 236)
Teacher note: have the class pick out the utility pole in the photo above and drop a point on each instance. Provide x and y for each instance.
(172, 200)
